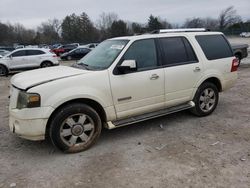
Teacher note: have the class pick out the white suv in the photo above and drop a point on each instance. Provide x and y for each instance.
(27, 58)
(123, 81)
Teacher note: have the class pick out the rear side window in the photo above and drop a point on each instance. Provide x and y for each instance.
(177, 50)
(34, 52)
(214, 46)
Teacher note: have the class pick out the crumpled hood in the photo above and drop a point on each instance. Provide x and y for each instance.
(36, 77)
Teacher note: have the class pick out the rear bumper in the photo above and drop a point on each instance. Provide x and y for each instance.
(228, 83)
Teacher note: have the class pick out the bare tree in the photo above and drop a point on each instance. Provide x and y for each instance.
(211, 23)
(165, 24)
(49, 32)
(105, 20)
(194, 23)
(228, 17)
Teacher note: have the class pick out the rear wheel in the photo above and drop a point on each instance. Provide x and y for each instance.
(238, 56)
(69, 58)
(3, 71)
(46, 64)
(75, 128)
(206, 99)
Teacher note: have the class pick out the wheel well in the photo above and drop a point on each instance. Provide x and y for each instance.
(95, 105)
(5, 67)
(216, 82)
(46, 61)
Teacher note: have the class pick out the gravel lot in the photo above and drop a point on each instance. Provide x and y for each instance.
(177, 150)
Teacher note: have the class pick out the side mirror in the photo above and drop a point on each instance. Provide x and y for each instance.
(10, 56)
(127, 65)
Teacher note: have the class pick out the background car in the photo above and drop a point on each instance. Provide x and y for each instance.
(91, 45)
(64, 48)
(245, 34)
(27, 58)
(3, 53)
(75, 54)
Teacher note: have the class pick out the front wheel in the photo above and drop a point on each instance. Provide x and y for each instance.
(206, 99)
(3, 71)
(75, 128)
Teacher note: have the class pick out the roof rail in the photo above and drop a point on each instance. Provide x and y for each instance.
(179, 30)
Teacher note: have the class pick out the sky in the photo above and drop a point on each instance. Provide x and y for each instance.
(31, 13)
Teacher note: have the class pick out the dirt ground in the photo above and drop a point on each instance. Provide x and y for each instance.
(177, 150)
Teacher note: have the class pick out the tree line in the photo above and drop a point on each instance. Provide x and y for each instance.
(80, 28)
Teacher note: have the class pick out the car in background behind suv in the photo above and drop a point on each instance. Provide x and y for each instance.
(76, 53)
(123, 81)
(64, 48)
(3, 53)
(27, 58)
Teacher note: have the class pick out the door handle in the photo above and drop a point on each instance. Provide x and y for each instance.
(154, 77)
(197, 69)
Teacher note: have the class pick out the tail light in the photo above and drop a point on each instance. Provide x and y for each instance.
(235, 65)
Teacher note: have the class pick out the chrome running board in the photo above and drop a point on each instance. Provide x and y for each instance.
(151, 115)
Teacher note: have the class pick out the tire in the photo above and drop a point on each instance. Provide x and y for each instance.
(69, 58)
(3, 70)
(206, 99)
(75, 128)
(239, 58)
(46, 64)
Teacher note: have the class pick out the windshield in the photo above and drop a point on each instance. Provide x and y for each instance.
(103, 55)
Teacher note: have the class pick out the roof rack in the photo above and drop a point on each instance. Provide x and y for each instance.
(180, 30)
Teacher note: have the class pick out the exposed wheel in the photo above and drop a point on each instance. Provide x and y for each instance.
(69, 58)
(46, 64)
(206, 99)
(3, 71)
(75, 128)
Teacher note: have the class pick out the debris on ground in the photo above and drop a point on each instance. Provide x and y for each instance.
(161, 147)
(215, 143)
(13, 185)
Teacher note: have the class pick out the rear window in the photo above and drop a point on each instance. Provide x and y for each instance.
(214, 46)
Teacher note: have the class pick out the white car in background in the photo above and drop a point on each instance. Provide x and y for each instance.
(27, 58)
(245, 34)
(3, 52)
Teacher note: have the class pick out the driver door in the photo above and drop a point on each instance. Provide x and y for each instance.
(17, 60)
(139, 91)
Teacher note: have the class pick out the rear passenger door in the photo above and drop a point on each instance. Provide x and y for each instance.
(34, 58)
(181, 67)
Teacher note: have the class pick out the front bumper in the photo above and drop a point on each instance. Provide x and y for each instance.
(30, 123)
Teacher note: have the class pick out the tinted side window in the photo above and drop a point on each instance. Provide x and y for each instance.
(34, 52)
(190, 51)
(214, 46)
(18, 53)
(177, 50)
(143, 52)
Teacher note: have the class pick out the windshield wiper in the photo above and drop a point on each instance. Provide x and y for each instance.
(80, 65)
